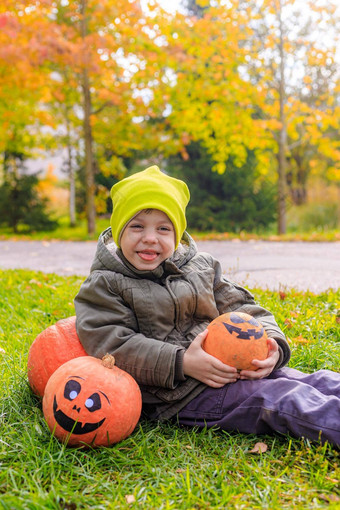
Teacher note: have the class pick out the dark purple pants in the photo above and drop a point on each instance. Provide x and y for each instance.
(288, 401)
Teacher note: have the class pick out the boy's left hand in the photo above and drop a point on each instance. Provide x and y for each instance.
(266, 366)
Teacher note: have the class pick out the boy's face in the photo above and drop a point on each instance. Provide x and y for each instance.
(148, 239)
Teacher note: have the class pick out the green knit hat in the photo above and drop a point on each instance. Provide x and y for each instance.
(149, 189)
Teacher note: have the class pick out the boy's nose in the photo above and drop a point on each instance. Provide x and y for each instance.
(150, 237)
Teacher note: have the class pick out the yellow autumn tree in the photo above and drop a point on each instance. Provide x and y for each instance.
(21, 84)
(247, 76)
(94, 63)
(212, 101)
(292, 64)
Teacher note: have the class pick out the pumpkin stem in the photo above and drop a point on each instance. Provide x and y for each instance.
(108, 361)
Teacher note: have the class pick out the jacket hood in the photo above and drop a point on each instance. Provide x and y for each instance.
(109, 257)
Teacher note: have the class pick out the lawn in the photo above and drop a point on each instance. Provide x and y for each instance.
(158, 466)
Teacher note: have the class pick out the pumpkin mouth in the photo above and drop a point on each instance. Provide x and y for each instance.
(71, 425)
(244, 335)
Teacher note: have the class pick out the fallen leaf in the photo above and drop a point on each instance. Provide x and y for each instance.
(259, 448)
(35, 282)
(300, 340)
(329, 497)
(288, 323)
(333, 480)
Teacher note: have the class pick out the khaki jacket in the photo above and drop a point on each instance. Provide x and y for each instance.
(148, 319)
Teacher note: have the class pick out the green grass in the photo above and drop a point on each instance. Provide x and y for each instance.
(64, 232)
(161, 466)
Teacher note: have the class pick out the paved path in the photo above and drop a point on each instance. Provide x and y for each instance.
(273, 265)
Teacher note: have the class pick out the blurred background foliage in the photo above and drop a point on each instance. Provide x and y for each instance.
(238, 98)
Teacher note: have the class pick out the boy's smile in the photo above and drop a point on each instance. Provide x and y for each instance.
(148, 255)
(148, 239)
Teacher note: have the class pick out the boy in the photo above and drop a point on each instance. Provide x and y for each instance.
(148, 300)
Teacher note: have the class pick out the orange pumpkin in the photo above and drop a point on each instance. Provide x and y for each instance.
(91, 401)
(51, 348)
(236, 339)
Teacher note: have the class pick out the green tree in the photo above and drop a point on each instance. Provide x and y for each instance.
(230, 202)
(20, 201)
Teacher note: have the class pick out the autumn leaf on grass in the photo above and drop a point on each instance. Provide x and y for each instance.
(333, 480)
(300, 340)
(329, 498)
(35, 282)
(288, 323)
(259, 448)
(337, 317)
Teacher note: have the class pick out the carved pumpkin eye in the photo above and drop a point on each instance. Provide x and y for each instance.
(93, 403)
(72, 390)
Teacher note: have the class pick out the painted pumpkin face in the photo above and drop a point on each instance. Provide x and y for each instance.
(76, 401)
(88, 403)
(236, 339)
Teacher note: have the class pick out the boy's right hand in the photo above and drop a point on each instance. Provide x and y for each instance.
(206, 368)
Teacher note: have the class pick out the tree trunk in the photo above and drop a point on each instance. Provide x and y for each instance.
(282, 162)
(3, 168)
(71, 176)
(89, 166)
(296, 178)
(72, 202)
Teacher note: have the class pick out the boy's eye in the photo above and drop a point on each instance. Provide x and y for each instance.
(166, 229)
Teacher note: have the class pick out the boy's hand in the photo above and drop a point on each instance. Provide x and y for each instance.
(206, 368)
(266, 366)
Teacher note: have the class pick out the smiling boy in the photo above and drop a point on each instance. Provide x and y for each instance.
(148, 301)
(148, 239)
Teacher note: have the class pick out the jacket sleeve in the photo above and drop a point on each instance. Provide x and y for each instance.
(231, 297)
(105, 324)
